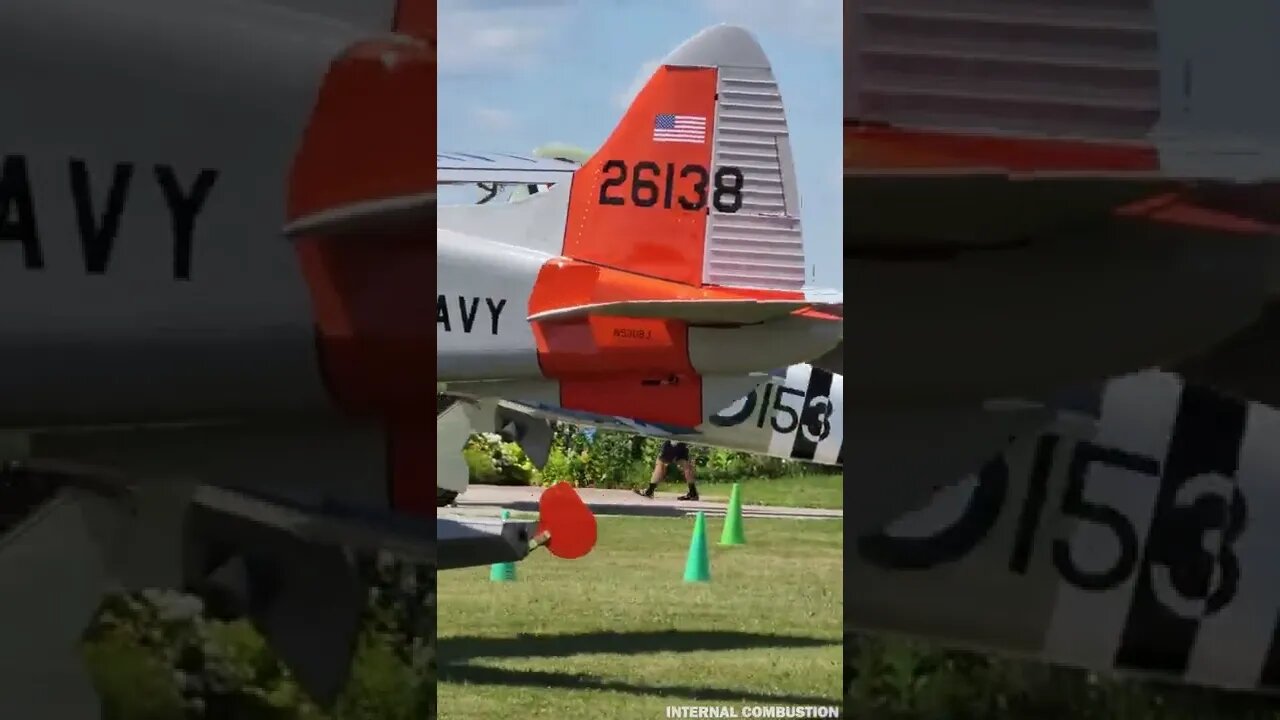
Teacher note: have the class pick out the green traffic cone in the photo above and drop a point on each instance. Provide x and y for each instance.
(732, 533)
(698, 567)
(503, 571)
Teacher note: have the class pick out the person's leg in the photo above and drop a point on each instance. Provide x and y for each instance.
(659, 469)
(665, 457)
(686, 467)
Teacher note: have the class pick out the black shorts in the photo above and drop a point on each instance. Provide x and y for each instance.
(673, 452)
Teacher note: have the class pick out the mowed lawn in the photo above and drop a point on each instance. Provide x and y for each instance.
(618, 634)
(802, 491)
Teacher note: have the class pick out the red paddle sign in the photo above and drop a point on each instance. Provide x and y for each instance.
(570, 522)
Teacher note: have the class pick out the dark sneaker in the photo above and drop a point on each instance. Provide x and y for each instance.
(693, 496)
(643, 493)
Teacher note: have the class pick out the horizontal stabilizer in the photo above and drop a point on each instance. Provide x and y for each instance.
(992, 207)
(466, 168)
(983, 207)
(694, 312)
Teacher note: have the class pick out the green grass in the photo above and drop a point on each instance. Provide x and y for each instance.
(617, 634)
(805, 491)
(901, 679)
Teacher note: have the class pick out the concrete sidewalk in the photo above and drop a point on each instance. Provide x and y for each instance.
(489, 499)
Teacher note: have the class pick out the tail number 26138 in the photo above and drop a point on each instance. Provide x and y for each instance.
(651, 184)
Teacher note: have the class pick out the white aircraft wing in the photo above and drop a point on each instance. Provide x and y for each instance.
(455, 168)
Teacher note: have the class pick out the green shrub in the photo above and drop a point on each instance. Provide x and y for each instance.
(493, 462)
(480, 467)
(382, 685)
(132, 682)
(558, 468)
(153, 659)
(609, 459)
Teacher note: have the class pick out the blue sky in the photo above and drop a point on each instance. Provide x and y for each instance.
(517, 74)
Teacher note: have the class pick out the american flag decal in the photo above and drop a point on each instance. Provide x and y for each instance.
(680, 128)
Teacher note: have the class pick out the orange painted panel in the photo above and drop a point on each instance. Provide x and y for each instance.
(372, 132)
(565, 283)
(642, 227)
(371, 136)
(610, 346)
(675, 403)
(594, 345)
(870, 147)
(377, 350)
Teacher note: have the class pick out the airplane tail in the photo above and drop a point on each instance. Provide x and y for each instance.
(693, 194)
(674, 254)
(696, 184)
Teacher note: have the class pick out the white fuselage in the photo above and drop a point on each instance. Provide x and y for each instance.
(482, 302)
(147, 279)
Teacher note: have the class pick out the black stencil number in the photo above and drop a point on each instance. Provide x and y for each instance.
(644, 191)
(1192, 566)
(1074, 505)
(783, 418)
(612, 182)
(652, 184)
(780, 408)
(815, 420)
(728, 194)
(699, 200)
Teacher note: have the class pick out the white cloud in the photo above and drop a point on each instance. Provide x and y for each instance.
(647, 68)
(484, 36)
(821, 21)
(494, 118)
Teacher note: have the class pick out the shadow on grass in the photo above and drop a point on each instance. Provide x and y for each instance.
(456, 653)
